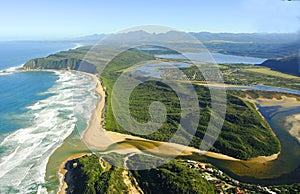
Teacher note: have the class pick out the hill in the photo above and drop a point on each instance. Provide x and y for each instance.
(68, 60)
(289, 65)
(91, 174)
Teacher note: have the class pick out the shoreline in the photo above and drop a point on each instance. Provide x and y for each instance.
(62, 171)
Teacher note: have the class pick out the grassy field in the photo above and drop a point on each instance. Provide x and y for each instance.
(268, 71)
(247, 75)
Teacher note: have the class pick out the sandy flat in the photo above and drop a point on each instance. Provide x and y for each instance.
(283, 102)
(294, 122)
(213, 84)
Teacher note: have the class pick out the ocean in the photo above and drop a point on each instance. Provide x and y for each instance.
(38, 110)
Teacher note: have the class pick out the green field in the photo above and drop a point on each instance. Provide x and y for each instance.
(270, 72)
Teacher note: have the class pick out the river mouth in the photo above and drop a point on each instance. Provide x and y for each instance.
(283, 170)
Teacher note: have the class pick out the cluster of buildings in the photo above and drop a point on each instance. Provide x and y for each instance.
(222, 182)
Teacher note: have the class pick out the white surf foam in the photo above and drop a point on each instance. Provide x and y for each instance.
(77, 45)
(11, 69)
(27, 150)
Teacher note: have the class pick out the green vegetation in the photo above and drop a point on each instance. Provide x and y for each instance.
(247, 75)
(91, 174)
(268, 71)
(87, 175)
(111, 73)
(74, 59)
(172, 177)
(70, 60)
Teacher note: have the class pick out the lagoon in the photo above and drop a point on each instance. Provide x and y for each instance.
(214, 58)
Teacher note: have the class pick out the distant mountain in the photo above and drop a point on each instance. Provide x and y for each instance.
(92, 37)
(263, 45)
(208, 37)
(144, 37)
(247, 37)
(289, 65)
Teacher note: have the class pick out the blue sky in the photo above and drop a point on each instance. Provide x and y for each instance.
(50, 19)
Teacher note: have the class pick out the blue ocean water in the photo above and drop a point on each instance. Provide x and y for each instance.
(19, 90)
(16, 53)
(38, 110)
